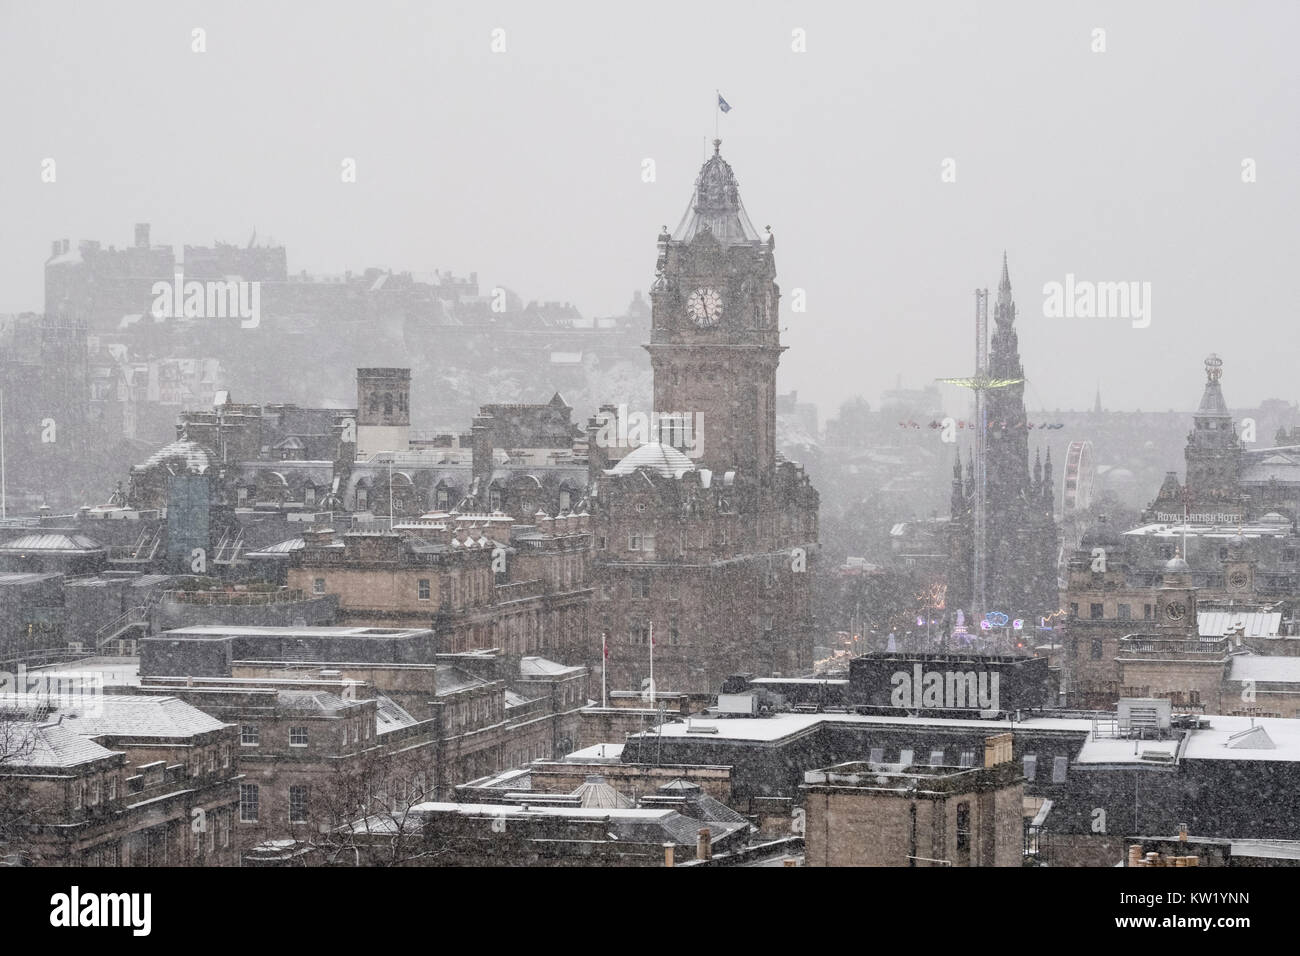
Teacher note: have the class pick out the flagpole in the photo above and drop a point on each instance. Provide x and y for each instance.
(4, 513)
(652, 663)
(717, 111)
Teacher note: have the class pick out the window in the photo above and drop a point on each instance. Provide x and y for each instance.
(249, 735)
(422, 589)
(1125, 612)
(297, 804)
(248, 802)
(674, 591)
(564, 500)
(963, 827)
(318, 586)
(309, 496)
(1288, 554)
(297, 736)
(1074, 609)
(936, 758)
(967, 758)
(634, 541)
(223, 824)
(1031, 766)
(1146, 612)
(905, 758)
(602, 542)
(1095, 611)
(648, 542)
(225, 755)
(1097, 649)
(877, 754)
(79, 794)
(1059, 767)
(241, 495)
(643, 587)
(94, 792)
(363, 499)
(212, 760)
(112, 787)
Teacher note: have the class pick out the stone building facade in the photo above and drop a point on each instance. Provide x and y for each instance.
(705, 537)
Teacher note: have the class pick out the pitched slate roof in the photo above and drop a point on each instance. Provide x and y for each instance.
(662, 460)
(45, 541)
(53, 746)
(131, 715)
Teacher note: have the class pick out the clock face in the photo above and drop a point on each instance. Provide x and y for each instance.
(1175, 611)
(704, 307)
(1238, 580)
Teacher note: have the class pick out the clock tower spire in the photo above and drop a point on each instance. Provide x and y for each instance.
(715, 343)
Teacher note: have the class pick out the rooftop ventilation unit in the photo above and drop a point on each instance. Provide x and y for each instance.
(1140, 716)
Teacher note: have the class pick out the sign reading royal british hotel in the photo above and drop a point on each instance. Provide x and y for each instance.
(912, 682)
(1205, 517)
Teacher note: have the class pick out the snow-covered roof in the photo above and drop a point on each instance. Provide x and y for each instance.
(53, 542)
(52, 745)
(780, 726)
(1265, 670)
(1226, 738)
(1258, 623)
(663, 460)
(541, 667)
(612, 753)
(130, 715)
(196, 457)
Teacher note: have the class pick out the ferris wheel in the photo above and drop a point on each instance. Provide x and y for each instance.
(1076, 490)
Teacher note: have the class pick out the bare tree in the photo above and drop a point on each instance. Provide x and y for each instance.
(18, 809)
(362, 814)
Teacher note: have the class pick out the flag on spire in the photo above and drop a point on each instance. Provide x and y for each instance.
(723, 104)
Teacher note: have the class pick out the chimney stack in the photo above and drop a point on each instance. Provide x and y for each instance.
(704, 848)
(142, 235)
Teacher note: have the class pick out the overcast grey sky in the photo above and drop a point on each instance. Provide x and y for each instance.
(526, 165)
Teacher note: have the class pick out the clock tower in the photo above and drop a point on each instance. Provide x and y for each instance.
(715, 344)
